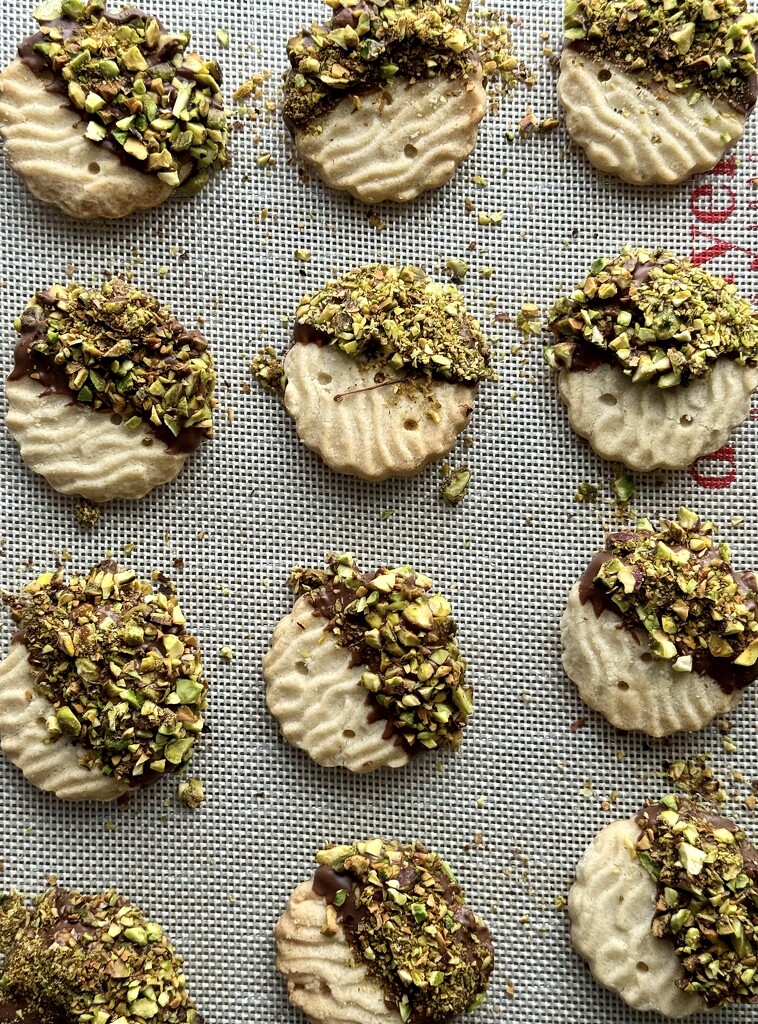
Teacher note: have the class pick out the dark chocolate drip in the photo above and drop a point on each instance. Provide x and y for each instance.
(53, 378)
(742, 106)
(648, 817)
(15, 1009)
(730, 677)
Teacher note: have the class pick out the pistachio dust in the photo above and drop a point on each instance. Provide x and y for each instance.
(707, 897)
(406, 918)
(138, 89)
(404, 635)
(123, 675)
(88, 960)
(654, 315)
(694, 46)
(401, 317)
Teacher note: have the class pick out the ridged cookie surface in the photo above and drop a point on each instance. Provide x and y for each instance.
(642, 135)
(46, 146)
(611, 907)
(364, 430)
(402, 141)
(317, 698)
(24, 738)
(80, 451)
(322, 978)
(619, 677)
(647, 427)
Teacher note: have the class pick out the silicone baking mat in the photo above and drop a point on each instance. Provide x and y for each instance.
(538, 773)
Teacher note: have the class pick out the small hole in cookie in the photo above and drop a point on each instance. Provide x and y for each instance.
(642, 967)
(348, 734)
(94, 168)
(410, 152)
(647, 656)
(686, 421)
(148, 442)
(325, 378)
(411, 424)
(609, 400)
(116, 419)
(623, 686)
(604, 75)
(302, 668)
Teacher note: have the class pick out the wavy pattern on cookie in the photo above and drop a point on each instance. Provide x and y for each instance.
(617, 676)
(627, 129)
(611, 908)
(365, 431)
(322, 978)
(647, 427)
(24, 738)
(316, 696)
(46, 146)
(82, 452)
(402, 141)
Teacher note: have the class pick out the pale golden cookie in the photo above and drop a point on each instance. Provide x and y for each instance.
(400, 142)
(638, 131)
(25, 738)
(314, 691)
(83, 452)
(646, 427)
(367, 431)
(46, 146)
(617, 675)
(611, 907)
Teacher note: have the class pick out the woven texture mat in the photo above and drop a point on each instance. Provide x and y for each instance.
(538, 773)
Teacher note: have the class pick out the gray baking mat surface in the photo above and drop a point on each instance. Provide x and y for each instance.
(538, 773)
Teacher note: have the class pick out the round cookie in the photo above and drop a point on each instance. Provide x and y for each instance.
(383, 372)
(642, 909)
(643, 653)
(348, 911)
(653, 93)
(364, 672)
(656, 359)
(85, 126)
(73, 957)
(109, 393)
(385, 101)
(102, 690)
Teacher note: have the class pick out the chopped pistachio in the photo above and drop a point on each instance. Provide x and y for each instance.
(407, 920)
(624, 487)
(87, 514)
(268, 370)
(111, 653)
(655, 315)
(191, 793)
(455, 485)
(458, 268)
(405, 637)
(223, 38)
(140, 89)
(90, 960)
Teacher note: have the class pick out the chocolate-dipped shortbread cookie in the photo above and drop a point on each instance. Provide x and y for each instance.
(386, 99)
(102, 690)
(104, 112)
(657, 359)
(365, 672)
(665, 909)
(382, 375)
(109, 392)
(656, 91)
(71, 958)
(661, 633)
(382, 935)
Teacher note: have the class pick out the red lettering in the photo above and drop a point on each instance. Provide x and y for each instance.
(703, 204)
(726, 166)
(718, 248)
(716, 481)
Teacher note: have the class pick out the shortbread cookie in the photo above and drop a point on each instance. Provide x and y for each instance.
(92, 128)
(383, 372)
(385, 101)
(365, 672)
(102, 690)
(70, 958)
(109, 393)
(655, 92)
(642, 914)
(661, 633)
(656, 359)
(380, 935)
